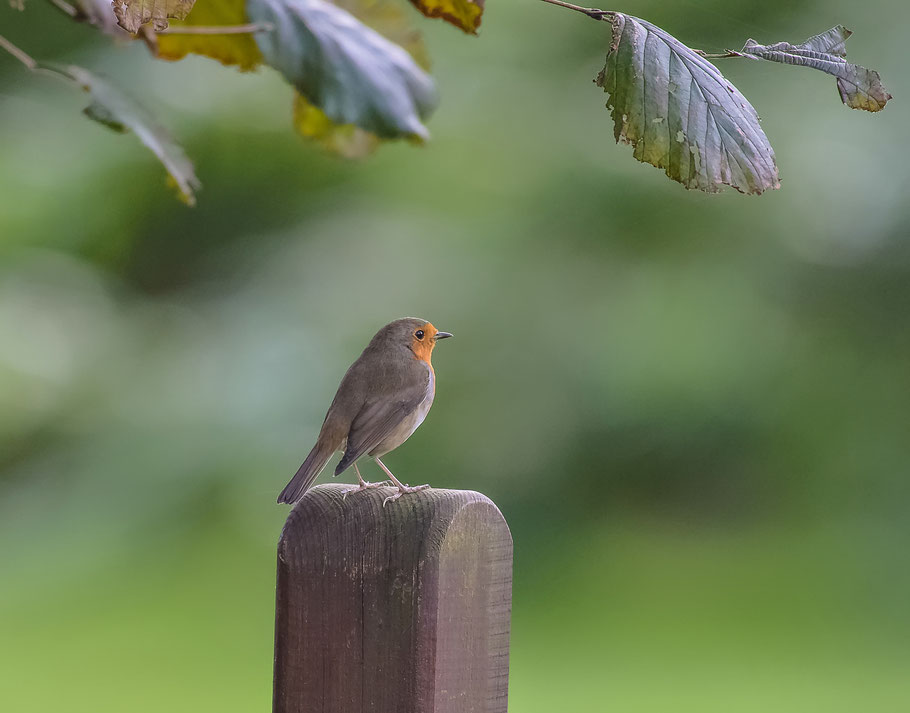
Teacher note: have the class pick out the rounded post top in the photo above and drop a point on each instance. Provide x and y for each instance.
(326, 513)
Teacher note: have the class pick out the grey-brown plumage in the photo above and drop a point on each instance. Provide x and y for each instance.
(382, 399)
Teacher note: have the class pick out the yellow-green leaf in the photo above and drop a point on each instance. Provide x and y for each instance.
(230, 49)
(464, 14)
(345, 140)
(133, 14)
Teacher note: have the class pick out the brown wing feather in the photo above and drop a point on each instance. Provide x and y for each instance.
(383, 413)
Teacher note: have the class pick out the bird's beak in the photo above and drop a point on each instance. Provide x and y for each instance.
(443, 335)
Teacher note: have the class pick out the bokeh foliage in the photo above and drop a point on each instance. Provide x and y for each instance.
(692, 410)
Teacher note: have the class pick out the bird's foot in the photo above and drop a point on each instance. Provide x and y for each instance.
(404, 489)
(364, 485)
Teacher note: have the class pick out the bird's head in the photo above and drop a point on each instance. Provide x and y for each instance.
(418, 335)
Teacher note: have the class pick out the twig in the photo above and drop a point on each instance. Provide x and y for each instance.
(222, 30)
(68, 9)
(591, 12)
(719, 55)
(19, 54)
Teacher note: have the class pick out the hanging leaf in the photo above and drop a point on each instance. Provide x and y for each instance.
(387, 17)
(680, 114)
(109, 106)
(349, 71)
(859, 88)
(391, 20)
(464, 14)
(230, 49)
(133, 14)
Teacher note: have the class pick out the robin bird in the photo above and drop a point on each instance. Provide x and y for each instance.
(381, 401)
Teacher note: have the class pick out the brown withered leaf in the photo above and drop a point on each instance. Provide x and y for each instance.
(859, 88)
(133, 14)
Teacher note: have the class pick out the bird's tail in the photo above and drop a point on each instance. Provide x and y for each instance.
(306, 474)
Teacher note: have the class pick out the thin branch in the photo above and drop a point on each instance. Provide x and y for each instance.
(222, 30)
(68, 9)
(19, 54)
(591, 12)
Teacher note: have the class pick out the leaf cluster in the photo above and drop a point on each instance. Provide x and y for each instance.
(359, 71)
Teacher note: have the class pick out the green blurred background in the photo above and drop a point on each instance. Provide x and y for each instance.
(692, 410)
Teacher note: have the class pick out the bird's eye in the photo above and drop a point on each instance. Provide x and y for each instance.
(419, 334)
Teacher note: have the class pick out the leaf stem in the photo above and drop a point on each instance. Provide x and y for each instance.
(219, 30)
(718, 55)
(19, 54)
(591, 12)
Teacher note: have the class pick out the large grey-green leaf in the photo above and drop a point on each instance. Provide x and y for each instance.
(340, 65)
(859, 88)
(680, 114)
(109, 106)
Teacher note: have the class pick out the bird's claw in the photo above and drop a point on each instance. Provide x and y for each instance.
(406, 489)
(364, 485)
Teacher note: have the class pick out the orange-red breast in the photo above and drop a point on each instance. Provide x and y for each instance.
(381, 401)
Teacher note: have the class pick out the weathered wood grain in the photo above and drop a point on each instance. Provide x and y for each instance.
(402, 609)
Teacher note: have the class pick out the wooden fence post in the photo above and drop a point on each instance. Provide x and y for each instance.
(401, 609)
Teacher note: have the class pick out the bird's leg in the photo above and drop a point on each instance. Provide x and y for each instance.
(403, 488)
(362, 485)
